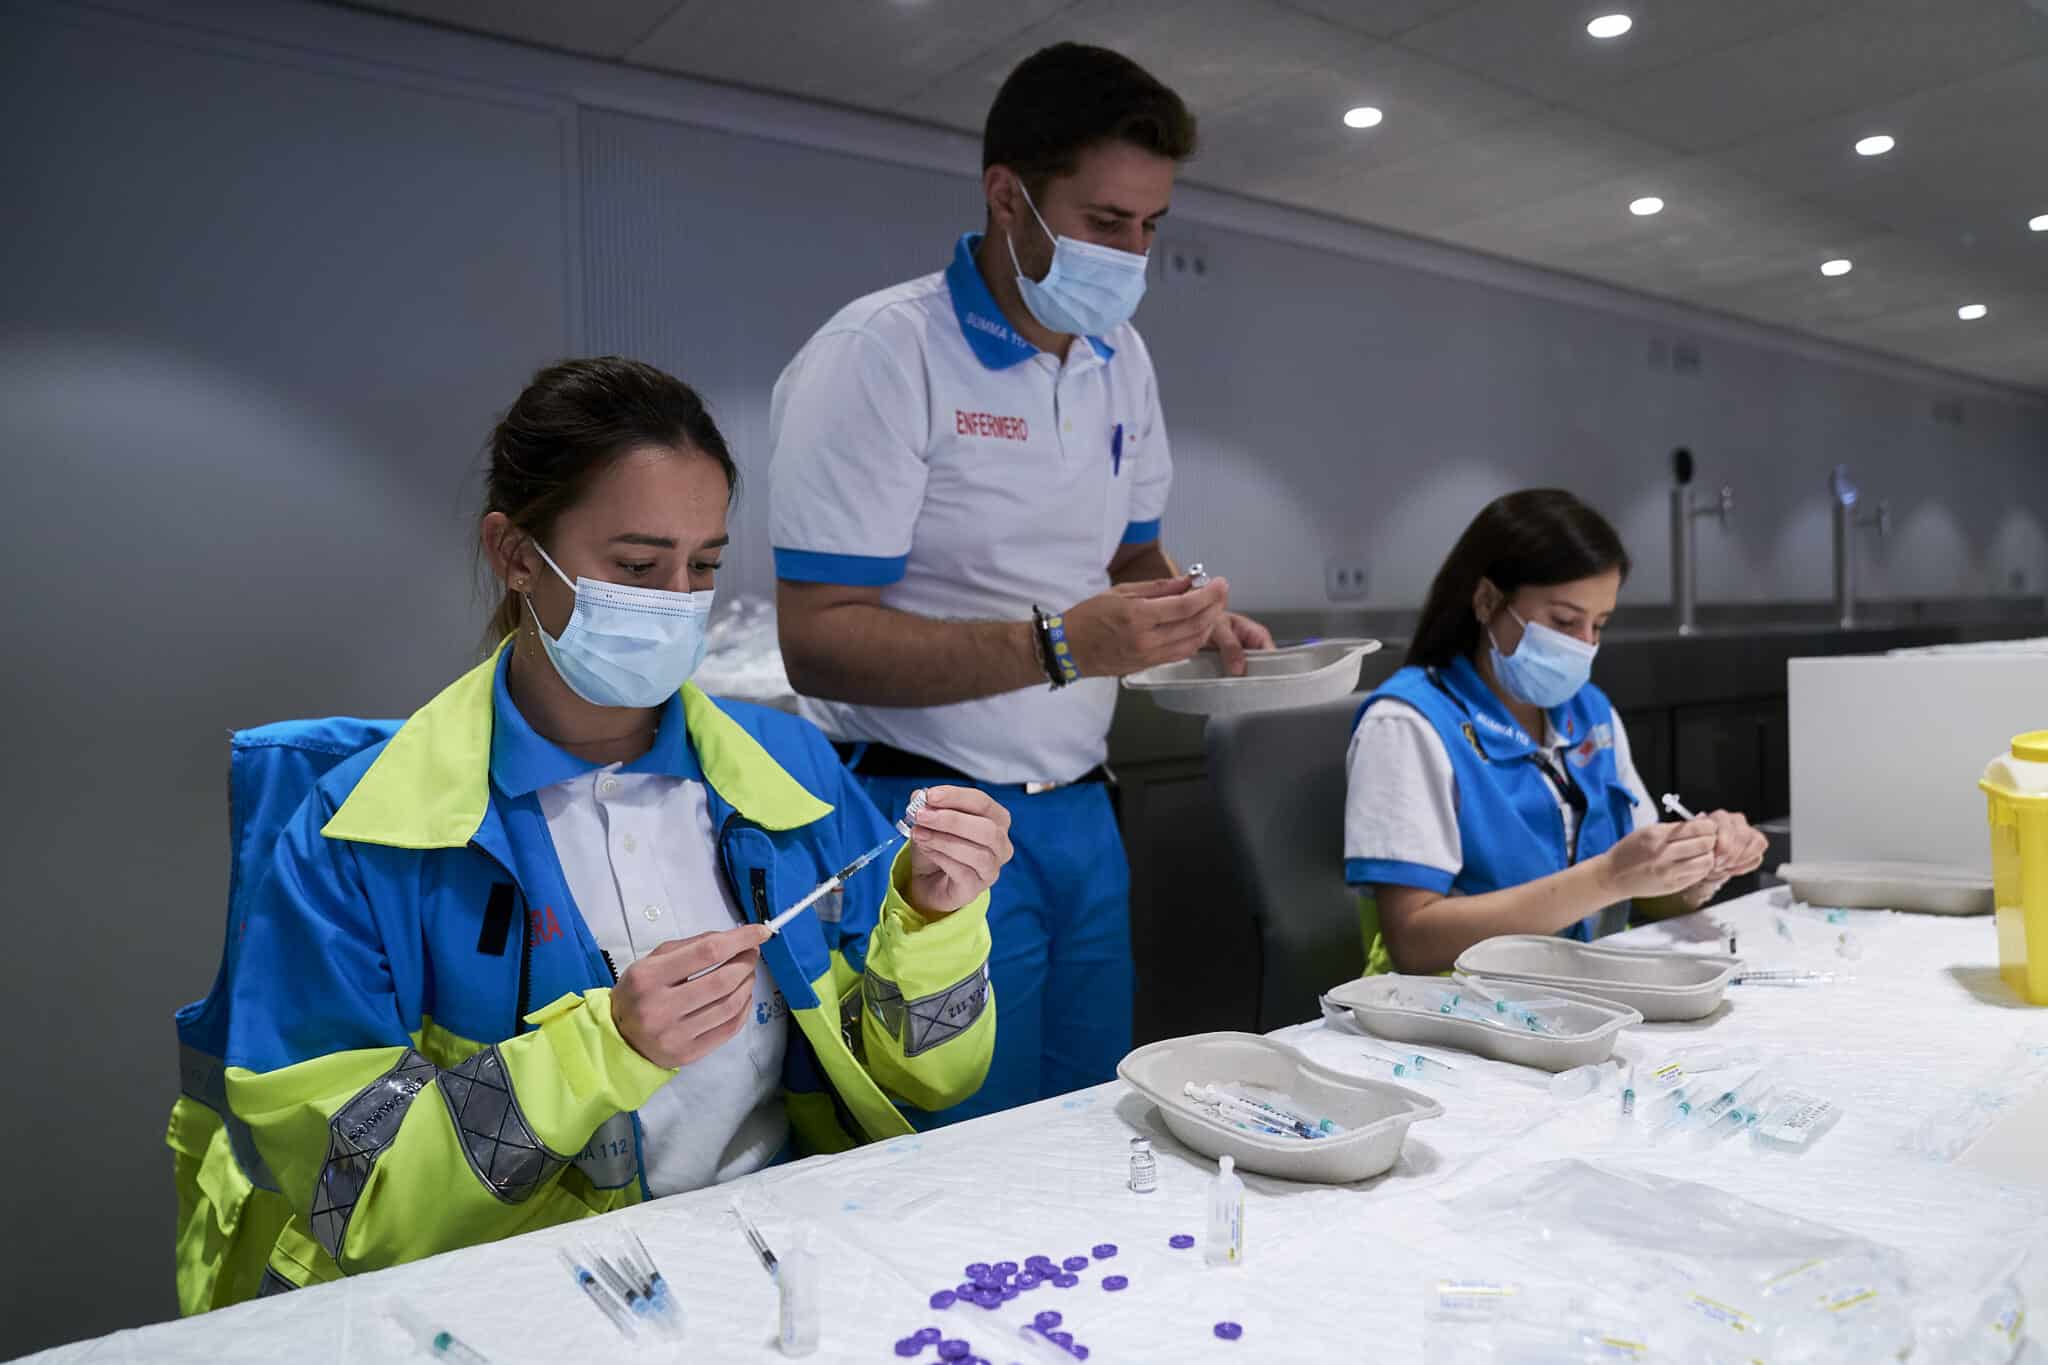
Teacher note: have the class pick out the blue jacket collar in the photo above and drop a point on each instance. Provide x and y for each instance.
(989, 335)
(1499, 734)
(522, 761)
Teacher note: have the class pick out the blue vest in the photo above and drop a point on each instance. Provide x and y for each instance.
(1508, 821)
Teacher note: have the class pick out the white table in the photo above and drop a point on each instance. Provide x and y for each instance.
(1331, 1272)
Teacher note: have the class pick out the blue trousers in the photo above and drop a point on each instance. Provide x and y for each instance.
(1059, 921)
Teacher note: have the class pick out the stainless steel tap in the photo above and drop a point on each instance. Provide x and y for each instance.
(1843, 492)
(1684, 542)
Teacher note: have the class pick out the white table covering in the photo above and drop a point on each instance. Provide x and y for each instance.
(1331, 1273)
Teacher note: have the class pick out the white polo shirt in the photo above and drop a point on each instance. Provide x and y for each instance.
(921, 446)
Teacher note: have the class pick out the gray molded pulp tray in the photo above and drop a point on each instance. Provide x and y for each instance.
(1661, 986)
(1375, 1114)
(1274, 679)
(1919, 887)
(1586, 1027)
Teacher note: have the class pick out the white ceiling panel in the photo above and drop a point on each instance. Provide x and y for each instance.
(1541, 46)
(1880, 51)
(1378, 18)
(867, 53)
(596, 28)
(1481, 175)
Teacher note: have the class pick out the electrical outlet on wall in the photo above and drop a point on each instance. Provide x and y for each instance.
(1345, 580)
(1183, 261)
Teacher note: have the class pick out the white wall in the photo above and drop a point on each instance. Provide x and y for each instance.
(271, 269)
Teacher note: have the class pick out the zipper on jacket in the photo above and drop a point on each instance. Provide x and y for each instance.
(609, 965)
(524, 914)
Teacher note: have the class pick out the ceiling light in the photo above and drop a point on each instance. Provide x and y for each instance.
(2039, 224)
(1610, 26)
(1364, 116)
(1647, 205)
(1836, 267)
(1876, 145)
(1970, 312)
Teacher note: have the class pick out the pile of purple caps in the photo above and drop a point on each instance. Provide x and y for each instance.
(992, 1284)
(1047, 1325)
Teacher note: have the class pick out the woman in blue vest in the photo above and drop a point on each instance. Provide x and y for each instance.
(1491, 788)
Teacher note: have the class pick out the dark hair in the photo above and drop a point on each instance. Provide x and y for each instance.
(1537, 537)
(573, 420)
(1064, 99)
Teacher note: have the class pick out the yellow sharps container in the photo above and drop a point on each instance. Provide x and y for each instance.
(2017, 785)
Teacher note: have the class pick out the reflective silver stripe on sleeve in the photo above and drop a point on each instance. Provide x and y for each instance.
(356, 1136)
(501, 1145)
(924, 1023)
(204, 1077)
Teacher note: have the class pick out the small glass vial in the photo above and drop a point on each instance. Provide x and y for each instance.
(796, 1279)
(1144, 1169)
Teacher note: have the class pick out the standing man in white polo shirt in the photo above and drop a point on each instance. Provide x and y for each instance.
(968, 481)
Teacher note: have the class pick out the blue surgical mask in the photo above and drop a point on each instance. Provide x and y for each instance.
(1547, 669)
(1090, 289)
(626, 646)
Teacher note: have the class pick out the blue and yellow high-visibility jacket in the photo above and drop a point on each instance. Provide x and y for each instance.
(410, 1046)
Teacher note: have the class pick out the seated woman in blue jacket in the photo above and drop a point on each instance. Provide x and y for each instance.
(1491, 789)
(509, 967)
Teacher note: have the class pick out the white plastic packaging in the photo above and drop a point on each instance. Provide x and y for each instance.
(1794, 1118)
(1580, 1080)
(1225, 1244)
(796, 1279)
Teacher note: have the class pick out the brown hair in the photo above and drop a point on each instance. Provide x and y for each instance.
(572, 421)
(1064, 99)
(1539, 536)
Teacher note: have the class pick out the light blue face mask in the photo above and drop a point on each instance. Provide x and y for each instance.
(1090, 289)
(626, 646)
(1547, 669)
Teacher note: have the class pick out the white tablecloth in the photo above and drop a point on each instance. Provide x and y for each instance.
(1331, 1273)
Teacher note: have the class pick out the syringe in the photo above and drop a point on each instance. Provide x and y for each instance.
(837, 879)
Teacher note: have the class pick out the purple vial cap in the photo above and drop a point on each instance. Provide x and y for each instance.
(927, 1335)
(1046, 1321)
(1075, 1263)
(908, 1347)
(1006, 1267)
(952, 1350)
(1229, 1331)
(1078, 1351)
(1114, 1282)
(1065, 1281)
(1104, 1250)
(1060, 1338)
(977, 1270)
(1028, 1282)
(988, 1298)
(1037, 1260)
(1181, 1241)
(945, 1298)
(965, 1290)
(1010, 1291)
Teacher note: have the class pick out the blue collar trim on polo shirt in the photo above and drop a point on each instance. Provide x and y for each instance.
(522, 761)
(989, 335)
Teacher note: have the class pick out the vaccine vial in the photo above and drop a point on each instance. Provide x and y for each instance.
(1144, 1169)
(796, 1280)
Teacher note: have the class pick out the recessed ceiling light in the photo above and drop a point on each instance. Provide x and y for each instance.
(1647, 205)
(1610, 26)
(1970, 312)
(1876, 145)
(2039, 224)
(1838, 266)
(1364, 116)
